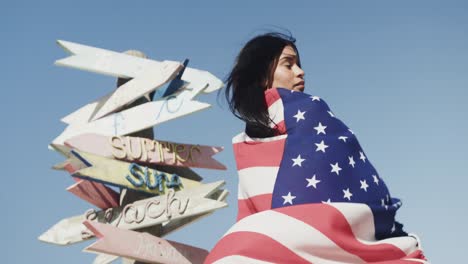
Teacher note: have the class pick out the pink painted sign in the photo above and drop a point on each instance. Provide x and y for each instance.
(95, 193)
(143, 150)
(141, 246)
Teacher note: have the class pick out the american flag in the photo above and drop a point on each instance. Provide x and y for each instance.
(311, 195)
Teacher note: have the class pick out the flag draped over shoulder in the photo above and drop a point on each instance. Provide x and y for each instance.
(310, 194)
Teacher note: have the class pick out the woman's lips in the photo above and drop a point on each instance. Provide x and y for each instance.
(299, 86)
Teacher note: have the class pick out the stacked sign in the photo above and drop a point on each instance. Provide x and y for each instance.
(101, 150)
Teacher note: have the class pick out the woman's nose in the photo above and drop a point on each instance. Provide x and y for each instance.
(299, 72)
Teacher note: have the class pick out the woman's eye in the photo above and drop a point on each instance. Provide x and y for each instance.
(289, 66)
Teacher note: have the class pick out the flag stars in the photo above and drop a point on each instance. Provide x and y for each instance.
(361, 156)
(384, 204)
(351, 131)
(288, 198)
(299, 115)
(315, 98)
(320, 129)
(331, 114)
(312, 182)
(351, 161)
(343, 138)
(298, 161)
(376, 179)
(364, 185)
(347, 194)
(327, 201)
(321, 146)
(335, 168)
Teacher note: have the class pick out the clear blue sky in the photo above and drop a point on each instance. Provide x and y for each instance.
(394, 71)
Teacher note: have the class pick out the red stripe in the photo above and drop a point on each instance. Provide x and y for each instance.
(281, 128)
(256, 154)
(253, 205)
(332, 223)
(253, 245)
(271, 96)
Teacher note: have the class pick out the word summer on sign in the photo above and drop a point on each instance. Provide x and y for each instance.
(145, 150)
(140, 175)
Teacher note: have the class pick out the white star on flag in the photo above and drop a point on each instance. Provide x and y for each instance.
(315, 98)
(336, 168)
(351, 161)
(364, 185)
(312, 182)
(343, 138)
(376, 180)
(362, 157)
(321, 146)
(298, 161)
(351, 131)
(299, 115)
(320, 128)
(331, 114)
(347, 194)
(288, 198)
(327, 201)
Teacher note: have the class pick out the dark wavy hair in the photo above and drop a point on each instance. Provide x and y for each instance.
(251, 75)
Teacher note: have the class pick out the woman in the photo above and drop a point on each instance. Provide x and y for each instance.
(307, 192)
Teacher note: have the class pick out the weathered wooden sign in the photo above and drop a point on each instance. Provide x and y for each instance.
(139, 117)
(140, 214)
(126, 66)
(95, 193)
(143, 150)
(167, 228)
(129, 175)
(141, 246)
(145, 83)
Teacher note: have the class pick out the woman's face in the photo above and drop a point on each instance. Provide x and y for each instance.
(287, 73)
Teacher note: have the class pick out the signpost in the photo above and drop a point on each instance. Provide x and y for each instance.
(159, 192)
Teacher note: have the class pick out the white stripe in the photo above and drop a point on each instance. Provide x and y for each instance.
(417, 260)
(236, 259)
(276, 112)
(256, 180)
(243, 137)
(296, 236)
(361, 220)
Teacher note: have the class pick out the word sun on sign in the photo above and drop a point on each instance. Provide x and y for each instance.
(98, 153)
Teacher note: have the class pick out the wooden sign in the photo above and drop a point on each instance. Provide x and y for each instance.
(167, 228)
(129, 175)
(143, 150)
(139, 117)
(140, 214)
(176, 84)
(145, 83)
(141, 246)
(95, 193)
(126, 66)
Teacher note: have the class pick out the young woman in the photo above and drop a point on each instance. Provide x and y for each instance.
(307, 192)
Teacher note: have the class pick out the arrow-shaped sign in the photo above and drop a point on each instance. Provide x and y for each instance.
(126, 66)
(147, 82)
(139, 117)
(140, 214)
(129, 175)
(141, 246)
(95, 193)
(143, 150)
